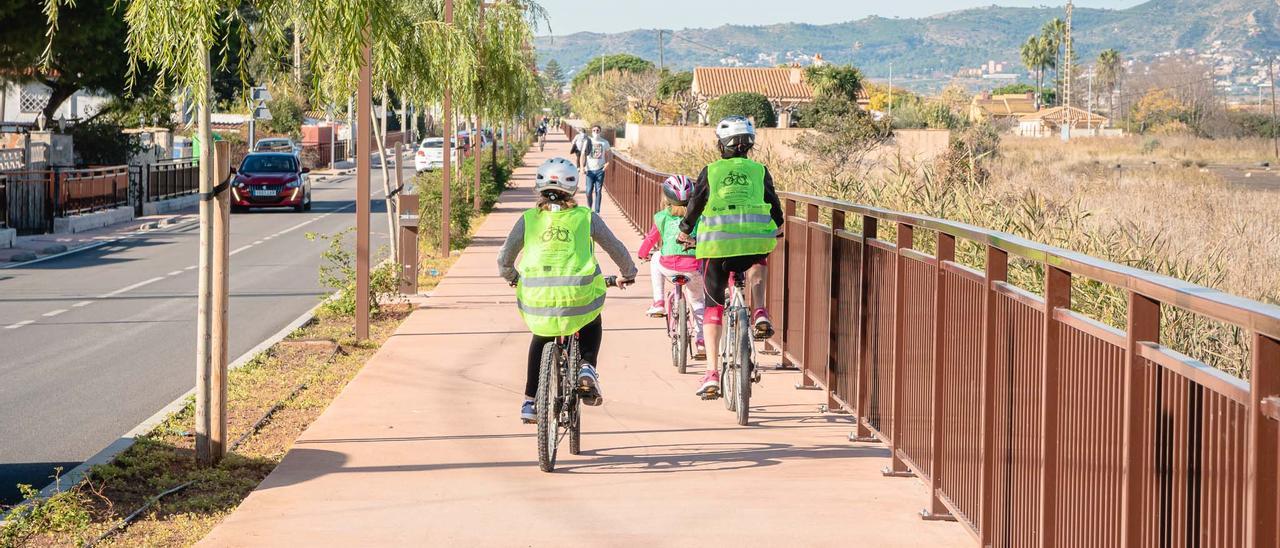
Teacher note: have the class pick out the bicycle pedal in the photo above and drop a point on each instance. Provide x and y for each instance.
(711, 396)
(529, 421)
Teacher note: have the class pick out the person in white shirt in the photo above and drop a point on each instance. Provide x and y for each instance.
(595, 158)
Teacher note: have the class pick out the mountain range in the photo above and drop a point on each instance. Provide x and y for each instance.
(942, 44)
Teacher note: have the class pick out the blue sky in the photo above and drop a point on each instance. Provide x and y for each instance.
(569, 16)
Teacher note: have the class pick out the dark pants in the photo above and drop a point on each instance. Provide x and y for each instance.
(588, 343)
(715, 275)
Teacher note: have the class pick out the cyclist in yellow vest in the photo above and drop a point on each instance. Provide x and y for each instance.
(559, 285)
(738, 218)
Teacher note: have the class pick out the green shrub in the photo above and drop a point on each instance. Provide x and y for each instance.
(751, 105)
(338, 272)
(102, 144)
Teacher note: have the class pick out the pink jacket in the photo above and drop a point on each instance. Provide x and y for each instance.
(678, 263)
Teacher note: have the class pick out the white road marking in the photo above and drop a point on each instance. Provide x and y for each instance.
(258, 242)
(237, 250)
(175, 273)
(20, 324)
(192, 267)
(131, 288)
(54, 313)
(81, 303)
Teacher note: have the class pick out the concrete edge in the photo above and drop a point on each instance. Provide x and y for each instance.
(96, 245)
(107, 454)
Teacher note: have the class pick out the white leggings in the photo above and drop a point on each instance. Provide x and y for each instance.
(693, 292)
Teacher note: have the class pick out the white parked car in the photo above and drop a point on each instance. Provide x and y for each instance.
(430, 155)
(277, 144)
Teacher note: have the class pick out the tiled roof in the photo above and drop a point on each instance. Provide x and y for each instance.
(1056, 115)
(1006, 105)
(774, 83)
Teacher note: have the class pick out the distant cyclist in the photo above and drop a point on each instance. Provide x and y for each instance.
(559, 285)
(738, 219)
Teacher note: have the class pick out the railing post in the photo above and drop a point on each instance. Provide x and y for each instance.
(897, 467)
(997, 271)
(946, 253)
(788, 211)
(1057, 294)
(805, 355)
(1263, 466)
(863, 397)
(833, 313)
(1143, 325)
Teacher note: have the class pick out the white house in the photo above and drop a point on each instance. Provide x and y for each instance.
(21, 103)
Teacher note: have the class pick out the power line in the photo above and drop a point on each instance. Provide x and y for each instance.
(699, 44)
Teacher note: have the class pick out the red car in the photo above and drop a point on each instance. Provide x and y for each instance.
(271, 179)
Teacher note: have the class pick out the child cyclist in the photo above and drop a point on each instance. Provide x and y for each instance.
(738, 219)
(674, 259)
(559, 285)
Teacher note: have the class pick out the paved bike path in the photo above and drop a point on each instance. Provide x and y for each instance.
(425, 446)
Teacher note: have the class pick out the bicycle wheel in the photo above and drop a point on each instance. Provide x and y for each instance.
(743, 380)
(726, 365)
(681, 350)
(573, 403)
(548, 404)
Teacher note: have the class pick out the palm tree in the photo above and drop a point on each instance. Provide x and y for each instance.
(835, 81)
(1109, 71)
(1035, 56)
(1055, 34)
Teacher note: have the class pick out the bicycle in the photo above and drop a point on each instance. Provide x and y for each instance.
(542, 142)
(678, 328)
(557, 402)
(737, 352)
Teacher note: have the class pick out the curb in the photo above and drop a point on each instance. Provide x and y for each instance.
(167, 228)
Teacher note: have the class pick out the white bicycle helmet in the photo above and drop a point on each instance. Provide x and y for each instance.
(557, 174)
(736, 129)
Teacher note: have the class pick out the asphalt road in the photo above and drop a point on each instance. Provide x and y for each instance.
(93, 343)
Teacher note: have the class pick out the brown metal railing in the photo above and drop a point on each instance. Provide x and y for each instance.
(88, 190)
(1032, 425)
(171, 178)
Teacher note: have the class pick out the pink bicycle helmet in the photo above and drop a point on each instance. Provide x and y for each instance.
(677, 189)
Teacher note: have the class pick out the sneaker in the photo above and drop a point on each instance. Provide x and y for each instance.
(528, 414)
(699, 351)
(710, 385)
(657, 310)
(589, 386)
(762, 326)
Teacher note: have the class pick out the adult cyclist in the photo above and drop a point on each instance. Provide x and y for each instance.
(739, 218)
(559, 286)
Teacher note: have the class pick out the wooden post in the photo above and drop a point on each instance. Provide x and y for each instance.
(446, 170)
(1057, 294)
(997, 271)
(221, 286)
(789, 211)
(1143, 325)
(1263, 465)
(870, 229)
(364, 164)
(946, 253)
(897, 467)
(805, 356)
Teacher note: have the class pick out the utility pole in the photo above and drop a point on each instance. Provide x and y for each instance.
(1066, 84)
(364, 164)
(477, 137)
(890, 89)
(662, 63)
(1271, 75)
(446, 171)
(1089, 120)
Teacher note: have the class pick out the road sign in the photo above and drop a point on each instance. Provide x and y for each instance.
(259, 94)
(261, 113)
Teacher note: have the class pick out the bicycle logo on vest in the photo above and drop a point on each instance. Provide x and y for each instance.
(736, 178)
(556, 233)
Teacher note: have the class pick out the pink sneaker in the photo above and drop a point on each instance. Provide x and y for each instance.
(657, 310)
(710, 385)
(761, 324)
(700, 350)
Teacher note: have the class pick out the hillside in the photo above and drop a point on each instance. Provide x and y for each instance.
(944, 43)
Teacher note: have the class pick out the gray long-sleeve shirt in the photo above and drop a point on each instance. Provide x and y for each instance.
(600, 233)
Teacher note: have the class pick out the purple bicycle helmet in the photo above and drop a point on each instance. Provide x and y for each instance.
(677, 189)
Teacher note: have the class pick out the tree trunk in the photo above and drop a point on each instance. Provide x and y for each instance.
(58, 94)
(388, 199)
